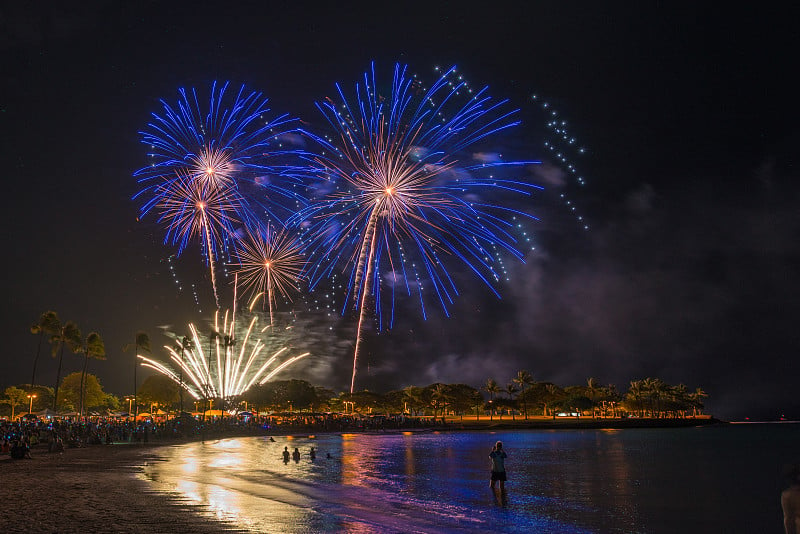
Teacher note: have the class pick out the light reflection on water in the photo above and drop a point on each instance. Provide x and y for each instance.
(559, 481)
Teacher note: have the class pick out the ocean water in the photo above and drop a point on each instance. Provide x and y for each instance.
(724, 478)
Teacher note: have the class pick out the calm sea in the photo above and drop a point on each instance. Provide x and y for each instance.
(707, 479)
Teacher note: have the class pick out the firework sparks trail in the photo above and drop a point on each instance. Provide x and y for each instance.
(239, 363)
(190, 210)
(406, 203)
(270, 261)
(369, 235)
(563, 148)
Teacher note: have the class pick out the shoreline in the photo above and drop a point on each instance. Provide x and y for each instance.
(581, 423)
(100, 488)
(471, 424)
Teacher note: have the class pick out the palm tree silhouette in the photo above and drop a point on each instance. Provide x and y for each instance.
(492, 389)
(142, 341)
(47, 324)
(91, 347)
(511, 389)
(523, 379)
(67, 335)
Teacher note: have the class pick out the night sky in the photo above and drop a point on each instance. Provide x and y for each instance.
(689, 115)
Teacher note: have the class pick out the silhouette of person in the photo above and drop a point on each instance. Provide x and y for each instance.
(286, 455)
(296, 455)
(313, 453)
(498, 456)
(790, 501)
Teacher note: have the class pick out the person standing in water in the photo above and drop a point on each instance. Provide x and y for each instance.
(498, 456)
(286, 455)
(790, 502)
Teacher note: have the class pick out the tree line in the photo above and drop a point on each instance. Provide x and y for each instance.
(521, 395)
(521, 398)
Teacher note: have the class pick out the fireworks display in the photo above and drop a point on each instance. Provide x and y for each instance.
(407, 191)
(407, 200)
(232, 358)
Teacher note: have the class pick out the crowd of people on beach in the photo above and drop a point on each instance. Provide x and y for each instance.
(58, 434)
(18, 438)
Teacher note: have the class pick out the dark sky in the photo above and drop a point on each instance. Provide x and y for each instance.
(689, 113)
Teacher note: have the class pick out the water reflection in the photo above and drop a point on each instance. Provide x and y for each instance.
(358, 483)
(350, 459)
(559, 481)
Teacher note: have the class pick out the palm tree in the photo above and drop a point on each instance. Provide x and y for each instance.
(440, 398)
(413, 394)
(591, 391)
(511, 389)
(679, 400)
(634, 396)
(646, 391)
(552, 396)
(185, 344)
(67, 335)
(697, 400)
(91, 347)
(523, 379)
(657, 390)
(47, 324)
(214, 335)
(492, 389)
(142, 342)
(610, 398)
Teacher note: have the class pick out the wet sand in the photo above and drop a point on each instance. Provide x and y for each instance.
(93, 489)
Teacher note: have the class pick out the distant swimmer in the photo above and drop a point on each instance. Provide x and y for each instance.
(272, 439)
(790, 502)
(313, 453)
(286, 455)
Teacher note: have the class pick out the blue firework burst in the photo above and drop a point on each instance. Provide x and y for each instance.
(408, 198)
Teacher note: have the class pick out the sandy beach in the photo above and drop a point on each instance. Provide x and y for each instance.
(92, 489)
